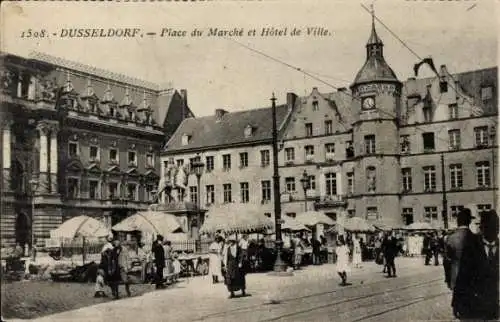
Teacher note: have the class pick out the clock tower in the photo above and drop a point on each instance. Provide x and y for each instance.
(375, 104)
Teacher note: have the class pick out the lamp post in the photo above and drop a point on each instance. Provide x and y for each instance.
(279, 265)
(305, 185)
(33, 186)
(197, 167)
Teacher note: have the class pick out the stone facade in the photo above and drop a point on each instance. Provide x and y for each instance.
(77, 140)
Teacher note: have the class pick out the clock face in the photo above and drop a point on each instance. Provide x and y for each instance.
(369, 103)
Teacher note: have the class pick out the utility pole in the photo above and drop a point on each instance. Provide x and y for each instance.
(443, 187)
(279, 265)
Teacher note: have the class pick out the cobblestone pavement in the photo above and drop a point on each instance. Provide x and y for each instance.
(312, 294)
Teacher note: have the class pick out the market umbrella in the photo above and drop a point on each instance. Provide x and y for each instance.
(358, 224)
(312, 218)
(154, 222)
(235, 220)
(80, 226)
(384, 225)
(419, 226)
(291, 224)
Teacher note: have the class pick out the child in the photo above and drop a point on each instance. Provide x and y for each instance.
(177, 266)
(99, 284)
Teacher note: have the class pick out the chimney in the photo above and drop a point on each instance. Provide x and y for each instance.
(443, 71)
(219, 113)
(291, 98)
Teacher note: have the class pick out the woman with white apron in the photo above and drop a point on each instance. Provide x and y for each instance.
(215, 260)
(342, 251)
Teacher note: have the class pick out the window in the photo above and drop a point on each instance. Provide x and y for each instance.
(113, 190)
(150, 190)
(408, 215)
(331, 183)
(132, 160)
(482, 208)
(349, 150)
(309, 149)
(309, 129)
(209, 163)
(265, 159)
(456, 176)
(291, 214)
(244, 192)
(266, 190)
(243, 159)
(455, 210)
(454, 137)
(73, 149)
(94, 153)
(111, 111)
(185, 139)
(453, 111)
(227, 193)
(315, 105)
(210, 189)
(371, 213)
(486, 93)
(350, 182)
(312, 182)
(150, 160)
(369, 144)
(428, 139)
(131, 115)
(179, 162)
(371, 179)
(443, 86)
(73, 188)
(330, 151)
(226, 162)
(481, 134)
(407, 179)
(289, 154)
(92, 106)
(132, 191)
(430, 178)
(267, 214)
(193, 194)
(113, 155)
(351, 213)
(483, 174)
(290, 184)
(430, 213)
(404, 141)
(328, 127)
(94, 189)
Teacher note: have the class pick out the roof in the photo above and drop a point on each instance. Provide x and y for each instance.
(374, 38)
(207, 131)
(375, 69)
(230, 220)
(92, 70)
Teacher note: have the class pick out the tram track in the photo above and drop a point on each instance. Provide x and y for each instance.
(256, 307)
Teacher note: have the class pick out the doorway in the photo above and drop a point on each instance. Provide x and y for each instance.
(23, 229)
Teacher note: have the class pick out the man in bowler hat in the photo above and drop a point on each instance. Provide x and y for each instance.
(461, 263)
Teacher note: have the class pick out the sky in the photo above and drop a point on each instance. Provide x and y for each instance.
(219, 72)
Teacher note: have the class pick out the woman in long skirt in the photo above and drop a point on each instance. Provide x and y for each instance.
(215, 260)
(234, 271)
(356, 257)
(342, 252)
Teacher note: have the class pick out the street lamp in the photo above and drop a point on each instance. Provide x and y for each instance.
(197, 168)
(305, 185)
(34, 186)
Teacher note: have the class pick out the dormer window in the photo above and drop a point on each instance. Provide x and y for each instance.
(315, 105)
(185, 139)
(248, 131)
(443, 86)
(486, 93)
(131, 115)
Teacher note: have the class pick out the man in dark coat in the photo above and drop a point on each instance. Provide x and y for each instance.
(461, 250)
(119, 265)
(316, 251)
(159, 254)
(487, 277)
(391, 249)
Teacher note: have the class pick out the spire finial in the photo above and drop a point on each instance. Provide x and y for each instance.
(372, 11)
